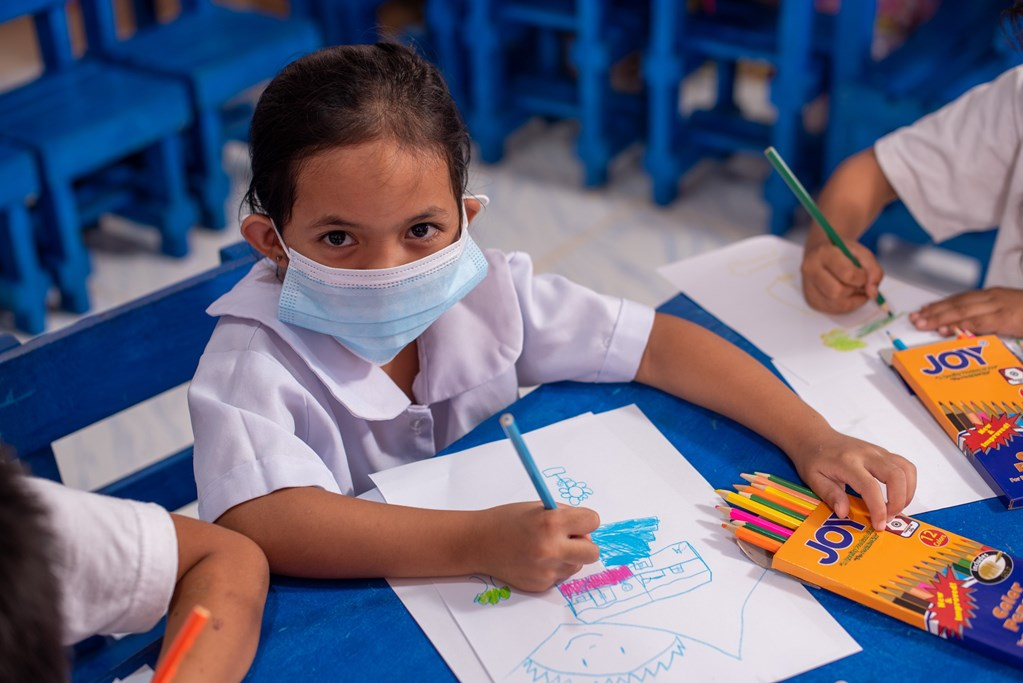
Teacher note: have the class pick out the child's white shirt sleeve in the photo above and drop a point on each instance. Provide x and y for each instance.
(571, 332)
(116, 561)
(957, 169)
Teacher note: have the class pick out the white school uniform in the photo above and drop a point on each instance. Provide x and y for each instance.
(116, 561)
(958, 170)
(276, 406)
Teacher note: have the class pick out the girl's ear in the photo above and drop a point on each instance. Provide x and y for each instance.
(258, 230)
(472, 207)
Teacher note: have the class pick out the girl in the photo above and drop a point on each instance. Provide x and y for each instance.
(376, 332)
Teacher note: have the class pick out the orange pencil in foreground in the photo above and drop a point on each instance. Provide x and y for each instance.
(182, 644)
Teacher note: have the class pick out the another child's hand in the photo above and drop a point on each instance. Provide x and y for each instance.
(832, 284)
(531, 548)
(998, 310)
(841, 460)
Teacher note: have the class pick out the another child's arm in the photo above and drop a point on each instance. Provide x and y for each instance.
(851, 200)
(227, 574)
(713, 373)
(314, 533)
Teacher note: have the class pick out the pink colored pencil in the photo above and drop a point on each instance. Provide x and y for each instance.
(743, 516)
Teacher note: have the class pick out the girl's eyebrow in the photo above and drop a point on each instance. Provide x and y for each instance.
(432, 212)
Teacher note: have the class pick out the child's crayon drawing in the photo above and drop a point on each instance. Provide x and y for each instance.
(491, 593)
(671, 571)
(603, 652)
(626, 541)
(571, 491)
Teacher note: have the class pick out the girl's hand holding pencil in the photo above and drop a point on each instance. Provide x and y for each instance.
(538, 546)
(532, 548)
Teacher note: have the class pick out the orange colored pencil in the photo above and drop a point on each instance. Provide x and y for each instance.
(768, 544)
(182, 644)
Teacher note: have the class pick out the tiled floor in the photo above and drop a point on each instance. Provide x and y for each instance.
(611, 239)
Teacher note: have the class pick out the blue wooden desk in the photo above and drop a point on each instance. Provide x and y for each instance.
(359, 630)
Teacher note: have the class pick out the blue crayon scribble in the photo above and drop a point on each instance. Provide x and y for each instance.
(626, 541)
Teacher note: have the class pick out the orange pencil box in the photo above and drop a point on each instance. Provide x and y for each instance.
(973, 387)
(937, 581)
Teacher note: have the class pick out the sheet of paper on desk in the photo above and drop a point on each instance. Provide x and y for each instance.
(753, 286)
(772, 314)
(671, 593)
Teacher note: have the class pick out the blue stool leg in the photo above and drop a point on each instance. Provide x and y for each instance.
(593, 63)
(443, 19)
(486, 69)
(19, 257)
(63, 251)
(663, 73)
(165, 162)
(210, 180)
(789, 92)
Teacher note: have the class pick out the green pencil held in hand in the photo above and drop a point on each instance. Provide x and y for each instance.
(811, 207)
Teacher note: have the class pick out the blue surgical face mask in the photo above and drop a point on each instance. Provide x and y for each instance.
(376, 313)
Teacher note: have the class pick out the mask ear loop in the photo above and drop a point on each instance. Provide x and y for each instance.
(280, 238)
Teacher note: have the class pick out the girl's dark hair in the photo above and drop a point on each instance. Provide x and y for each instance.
(348, 95)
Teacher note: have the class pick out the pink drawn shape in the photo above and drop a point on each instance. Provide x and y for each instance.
(608, 577)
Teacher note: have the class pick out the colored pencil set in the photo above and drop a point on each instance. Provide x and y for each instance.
(766, 509)
(973, 387)
(935, 580)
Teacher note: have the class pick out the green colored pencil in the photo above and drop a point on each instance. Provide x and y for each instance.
(786, 482)
(811, 207)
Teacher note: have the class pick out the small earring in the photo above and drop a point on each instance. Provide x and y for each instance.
(278, 269)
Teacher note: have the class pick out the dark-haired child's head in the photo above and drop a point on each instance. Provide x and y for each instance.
(346, 96)
(30, 624)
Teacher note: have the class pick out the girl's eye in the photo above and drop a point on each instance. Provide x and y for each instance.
(337, 238)
(422, 231)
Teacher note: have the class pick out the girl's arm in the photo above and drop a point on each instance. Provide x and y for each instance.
(309, 532)
(851, 200)
(227, 574)
(693, 363)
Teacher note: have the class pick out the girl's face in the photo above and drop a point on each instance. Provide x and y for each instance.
(373, 205)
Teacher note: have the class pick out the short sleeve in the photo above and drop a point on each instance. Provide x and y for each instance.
(953, 168)
(571, 332)
(256, 431)
(117, 560)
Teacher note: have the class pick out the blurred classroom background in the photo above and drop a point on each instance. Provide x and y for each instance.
(613, 136)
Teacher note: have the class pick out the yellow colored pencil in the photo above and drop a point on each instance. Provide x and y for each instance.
(756, 508)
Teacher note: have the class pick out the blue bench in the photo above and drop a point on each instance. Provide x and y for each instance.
(61, 382)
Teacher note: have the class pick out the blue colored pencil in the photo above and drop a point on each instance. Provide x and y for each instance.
(509, 427)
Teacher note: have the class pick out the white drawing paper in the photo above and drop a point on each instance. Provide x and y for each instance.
(753, 286)
(672, 595)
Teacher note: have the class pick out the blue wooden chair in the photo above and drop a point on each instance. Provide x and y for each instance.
(961, 46)
(347, 22)
(802, 47)
(106, 138)
(218, 53)
(63, 381)
(517, 69)
(23, 283)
